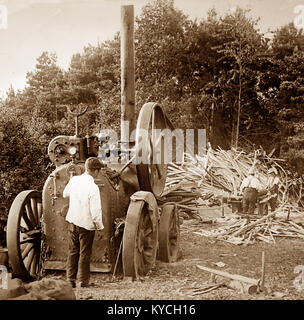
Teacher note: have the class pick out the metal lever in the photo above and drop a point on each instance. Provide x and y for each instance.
(76, 115)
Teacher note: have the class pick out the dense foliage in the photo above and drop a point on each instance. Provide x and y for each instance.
(219, 73)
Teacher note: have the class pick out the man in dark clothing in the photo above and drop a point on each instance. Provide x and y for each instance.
(250, 186)
(272, 186)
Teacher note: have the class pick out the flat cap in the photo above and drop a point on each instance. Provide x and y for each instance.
(251, 171)
(93, 163)
(272, 170)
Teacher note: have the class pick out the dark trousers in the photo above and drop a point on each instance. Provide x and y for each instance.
(80, 250)
(273, 201)
(249, 200)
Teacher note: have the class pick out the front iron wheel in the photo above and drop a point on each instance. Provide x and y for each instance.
(140, 240)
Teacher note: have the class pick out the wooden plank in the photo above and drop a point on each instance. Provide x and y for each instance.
(230, 276)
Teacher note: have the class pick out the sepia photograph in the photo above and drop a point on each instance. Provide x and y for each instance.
(151, 153)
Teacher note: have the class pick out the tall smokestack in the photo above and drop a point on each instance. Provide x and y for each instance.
(127, 72)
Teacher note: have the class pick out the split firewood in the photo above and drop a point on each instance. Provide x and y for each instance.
(252, 224)
(264, 229)
(220, 173)
(210, 181)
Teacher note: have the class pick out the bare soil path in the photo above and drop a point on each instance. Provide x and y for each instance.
(178, 281)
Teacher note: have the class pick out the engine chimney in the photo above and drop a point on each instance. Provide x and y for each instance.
(127, 74)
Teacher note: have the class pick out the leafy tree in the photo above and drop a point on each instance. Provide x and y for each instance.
(281, 89)
(286, 39)
(94, 79)
(43, 87)
(161, 44)
(238, 43)
(23, 160)
(290, 112)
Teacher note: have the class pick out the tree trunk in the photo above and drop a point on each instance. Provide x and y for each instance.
(238, 110)
(233, 129)
(211, 123)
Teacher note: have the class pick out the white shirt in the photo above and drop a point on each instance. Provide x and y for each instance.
(85, 204)
(250, 182)
(272, 181)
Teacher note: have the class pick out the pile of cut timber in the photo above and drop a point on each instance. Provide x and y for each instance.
(202, 181)
(244, 231)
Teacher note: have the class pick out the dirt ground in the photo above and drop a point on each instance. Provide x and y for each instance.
(178, 281)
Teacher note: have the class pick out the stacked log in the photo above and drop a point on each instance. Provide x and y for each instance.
(243, 231)
(202, 181)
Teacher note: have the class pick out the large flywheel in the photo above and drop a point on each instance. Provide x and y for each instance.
(150, 149)
(24, 234)
(140, 239)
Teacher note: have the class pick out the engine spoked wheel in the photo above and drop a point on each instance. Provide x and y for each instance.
(24, 234)
(169, 234)
(140, 240)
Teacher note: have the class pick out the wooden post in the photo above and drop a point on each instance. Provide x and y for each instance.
(127, 72)
(222, 207)
(263, 271)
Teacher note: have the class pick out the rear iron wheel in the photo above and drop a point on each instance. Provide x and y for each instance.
(24, 234)
(140, 240)
(169, 234)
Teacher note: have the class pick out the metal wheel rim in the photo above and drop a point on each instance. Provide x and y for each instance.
(24, 234)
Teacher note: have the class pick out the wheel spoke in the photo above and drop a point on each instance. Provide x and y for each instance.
(147, 254)
(35, 210)
(148, 243)
(153, 159)
(27, 249)
(30, 213)
(173, 242)
(27, 221)
(23, 229)
(147, 232)
(39, 208)
(148, 257)
(34, 264)
(157, 149)
(29, 259)
(27, 240)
